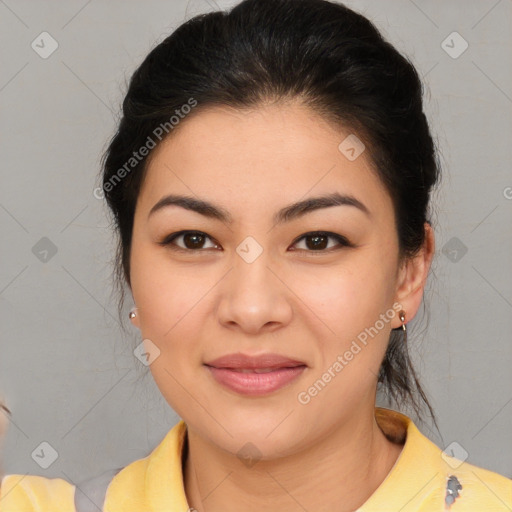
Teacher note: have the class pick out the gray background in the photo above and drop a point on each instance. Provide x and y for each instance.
(67, 371)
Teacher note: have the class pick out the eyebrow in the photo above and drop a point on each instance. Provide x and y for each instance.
(286, 214)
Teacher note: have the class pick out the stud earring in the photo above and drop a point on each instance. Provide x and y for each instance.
(132, 313)
(401, 315)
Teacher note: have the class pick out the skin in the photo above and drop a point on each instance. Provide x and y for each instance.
(195, 306)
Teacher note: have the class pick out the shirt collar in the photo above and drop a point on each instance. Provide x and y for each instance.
(417, 478)
(405, 488)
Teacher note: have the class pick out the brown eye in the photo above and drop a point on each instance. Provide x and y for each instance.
(318, 241)
(191, 240)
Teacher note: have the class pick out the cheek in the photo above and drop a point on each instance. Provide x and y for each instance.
(162, 293)
(349, 304)
(351, 297)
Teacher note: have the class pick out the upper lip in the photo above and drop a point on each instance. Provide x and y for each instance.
(243, 361)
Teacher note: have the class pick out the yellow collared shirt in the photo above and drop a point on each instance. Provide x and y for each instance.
(423, 479)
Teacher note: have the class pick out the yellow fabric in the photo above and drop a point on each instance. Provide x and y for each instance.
(417, 481)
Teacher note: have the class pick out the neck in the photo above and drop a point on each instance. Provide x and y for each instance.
(338, 472)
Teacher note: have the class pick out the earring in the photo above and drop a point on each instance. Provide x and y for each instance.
(401, 315)
(132, 313)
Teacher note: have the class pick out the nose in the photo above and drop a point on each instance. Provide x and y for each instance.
(254, 297)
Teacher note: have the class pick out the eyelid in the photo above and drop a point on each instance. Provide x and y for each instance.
(342, 241)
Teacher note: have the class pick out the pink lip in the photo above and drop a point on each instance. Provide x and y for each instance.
(226, 371)
(255, 383)
(240, 360)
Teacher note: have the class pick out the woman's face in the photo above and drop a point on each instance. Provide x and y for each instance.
(256, 283)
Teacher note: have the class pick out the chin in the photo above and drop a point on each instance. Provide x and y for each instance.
(267, 441)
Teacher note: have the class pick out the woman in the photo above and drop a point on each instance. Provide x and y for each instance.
(270, 183)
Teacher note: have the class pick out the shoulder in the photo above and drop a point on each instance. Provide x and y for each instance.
(466, 487)
(427, 478)
(31, 493)
(156, 478)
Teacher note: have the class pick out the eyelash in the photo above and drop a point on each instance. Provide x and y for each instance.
(343, 242)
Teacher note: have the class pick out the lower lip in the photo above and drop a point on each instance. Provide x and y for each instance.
(255, 383)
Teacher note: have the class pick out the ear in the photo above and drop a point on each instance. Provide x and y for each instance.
(413, 276)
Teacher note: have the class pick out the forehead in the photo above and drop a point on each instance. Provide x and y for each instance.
(275, 153)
